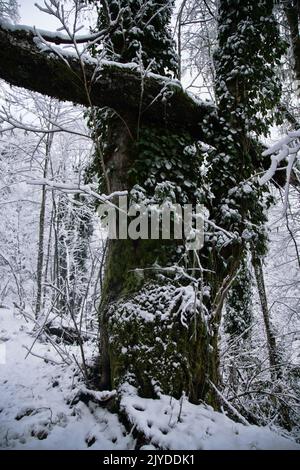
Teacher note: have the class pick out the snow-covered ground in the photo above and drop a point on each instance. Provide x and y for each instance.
(34, 396)
(35, 409)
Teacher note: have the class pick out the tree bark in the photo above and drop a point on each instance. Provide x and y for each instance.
(147, 338)
(292, 11)
(271, 340)
(40, 261)
(143, 338)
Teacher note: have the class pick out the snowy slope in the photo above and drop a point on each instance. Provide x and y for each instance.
(35, 412)
(38, 389)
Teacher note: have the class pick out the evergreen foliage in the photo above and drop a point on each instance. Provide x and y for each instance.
(142, 35)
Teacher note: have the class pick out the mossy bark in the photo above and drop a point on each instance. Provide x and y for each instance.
(146, 338)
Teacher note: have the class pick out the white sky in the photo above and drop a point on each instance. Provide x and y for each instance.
(32, 16)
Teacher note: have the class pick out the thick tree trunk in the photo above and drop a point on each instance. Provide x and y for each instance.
(143, 338)
(146, 337)
(292, 11)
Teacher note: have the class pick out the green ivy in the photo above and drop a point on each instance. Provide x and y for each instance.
(164, 159)
(142, 34)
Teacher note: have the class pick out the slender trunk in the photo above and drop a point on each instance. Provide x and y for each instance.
(271, 340)
(55, 259)
(62, 255)
(40, 260)
(47, 260)
(145, 337)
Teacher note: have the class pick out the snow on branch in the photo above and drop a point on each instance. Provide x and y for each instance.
(71, 188)
(54, 36)
(57, 10)
(287, 149)
(10, 123)
(28, 60)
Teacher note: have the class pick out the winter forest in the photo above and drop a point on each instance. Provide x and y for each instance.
(150, 225)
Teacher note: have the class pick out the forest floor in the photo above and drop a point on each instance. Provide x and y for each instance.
(38, 409)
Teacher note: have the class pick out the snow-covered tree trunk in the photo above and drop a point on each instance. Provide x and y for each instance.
(154, 333)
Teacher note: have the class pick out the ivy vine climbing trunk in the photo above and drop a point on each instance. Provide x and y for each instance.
(40, 260)
(154, 333)
(162, 304)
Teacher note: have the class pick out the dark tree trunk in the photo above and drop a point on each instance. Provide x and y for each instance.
(143, 338)
(292, 11)
(271, 340)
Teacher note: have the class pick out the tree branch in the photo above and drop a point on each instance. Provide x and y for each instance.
(26, 62)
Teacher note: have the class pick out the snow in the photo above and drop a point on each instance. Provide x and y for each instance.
(285, 148)
(36, 410)
(286, 140)
(179, 425)
(34, 396)
(54, 36)
(199, 102)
